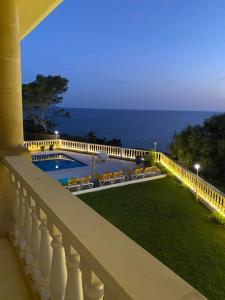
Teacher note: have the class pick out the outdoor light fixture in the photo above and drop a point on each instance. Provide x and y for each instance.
(56, 134)
(155, 144)
(197, 167)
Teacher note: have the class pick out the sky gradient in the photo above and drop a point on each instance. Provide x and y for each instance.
(133, 54)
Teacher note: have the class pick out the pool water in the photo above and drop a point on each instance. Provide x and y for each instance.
(54, 164)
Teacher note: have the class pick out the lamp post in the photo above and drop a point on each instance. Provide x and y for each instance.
(56, 134)
(155, 145)
(93, 166)
(197, 167)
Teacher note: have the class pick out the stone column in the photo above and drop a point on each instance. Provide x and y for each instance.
(11, 119)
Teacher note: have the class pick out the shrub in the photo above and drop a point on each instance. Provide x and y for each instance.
(149, 159)
(42, 147)
(217, 218)
(51, 147)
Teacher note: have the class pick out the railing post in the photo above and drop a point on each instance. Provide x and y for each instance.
(93, 287)
(95, 291)
(74, 287)
(35, 244)
(58, 275)
(15, 229)
(22, 241)
(27, 226)
(122, 152)
(45, 260)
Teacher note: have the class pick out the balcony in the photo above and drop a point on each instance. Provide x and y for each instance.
(68, 251)
(53, 245)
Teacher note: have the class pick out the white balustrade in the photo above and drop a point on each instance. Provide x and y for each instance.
(27, 233)
(21, 217)
(15, 205)
(35, 244)
(72, 253)
(45, 259)
(74, 286)
(58, 275)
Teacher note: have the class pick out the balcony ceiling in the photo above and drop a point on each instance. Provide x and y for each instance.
(32, 12)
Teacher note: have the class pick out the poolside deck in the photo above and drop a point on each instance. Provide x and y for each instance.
(109, 166)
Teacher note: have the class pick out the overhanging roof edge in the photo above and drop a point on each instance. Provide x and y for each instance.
(41, 18)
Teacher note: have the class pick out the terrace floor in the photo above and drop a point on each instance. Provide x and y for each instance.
(12, 283)
(109, 166)
(165, 219)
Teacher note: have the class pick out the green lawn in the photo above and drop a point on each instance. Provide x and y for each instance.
(164, 218)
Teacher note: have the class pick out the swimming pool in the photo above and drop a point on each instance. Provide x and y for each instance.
(55, 162)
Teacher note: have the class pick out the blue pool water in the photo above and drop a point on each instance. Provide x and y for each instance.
(55, 164)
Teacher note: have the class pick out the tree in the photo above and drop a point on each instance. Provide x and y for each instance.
(204, 144)
(40, 100)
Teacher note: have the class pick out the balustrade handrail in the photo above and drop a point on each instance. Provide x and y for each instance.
(191, 173)
(203, 189)
(126, 270)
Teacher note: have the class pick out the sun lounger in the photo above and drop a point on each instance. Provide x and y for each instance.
(105, 178)
(85, 182)
(137, 173)
(73, 183)
(148, 171)
(118, 176)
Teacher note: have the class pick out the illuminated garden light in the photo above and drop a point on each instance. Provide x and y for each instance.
(56, 134)
(197, 167)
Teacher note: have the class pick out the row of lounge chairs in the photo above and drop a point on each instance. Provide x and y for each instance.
(86, 182)
(80, 183)
(141, 172)
(110, 177)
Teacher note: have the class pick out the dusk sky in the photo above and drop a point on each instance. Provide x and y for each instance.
(133, 54)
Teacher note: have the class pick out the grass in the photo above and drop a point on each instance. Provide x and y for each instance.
(164, 218)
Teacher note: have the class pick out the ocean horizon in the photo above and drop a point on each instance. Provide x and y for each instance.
(135, 128)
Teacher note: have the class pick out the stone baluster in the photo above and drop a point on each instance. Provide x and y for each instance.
(74, 286)
(88, 148)
(21, 217)
(45, 259)
(95, 291)
(15, 230)
(35, 244)
(27, 233)
(58, 274)
(93, 287)
(122, 152)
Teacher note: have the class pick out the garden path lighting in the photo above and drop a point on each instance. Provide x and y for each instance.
(197, 167)
(56, 134)
(155, 144)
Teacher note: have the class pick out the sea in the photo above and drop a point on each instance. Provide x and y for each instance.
(135, 128)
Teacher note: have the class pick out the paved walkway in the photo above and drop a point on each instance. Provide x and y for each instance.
(109, 166)
(12, 283)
